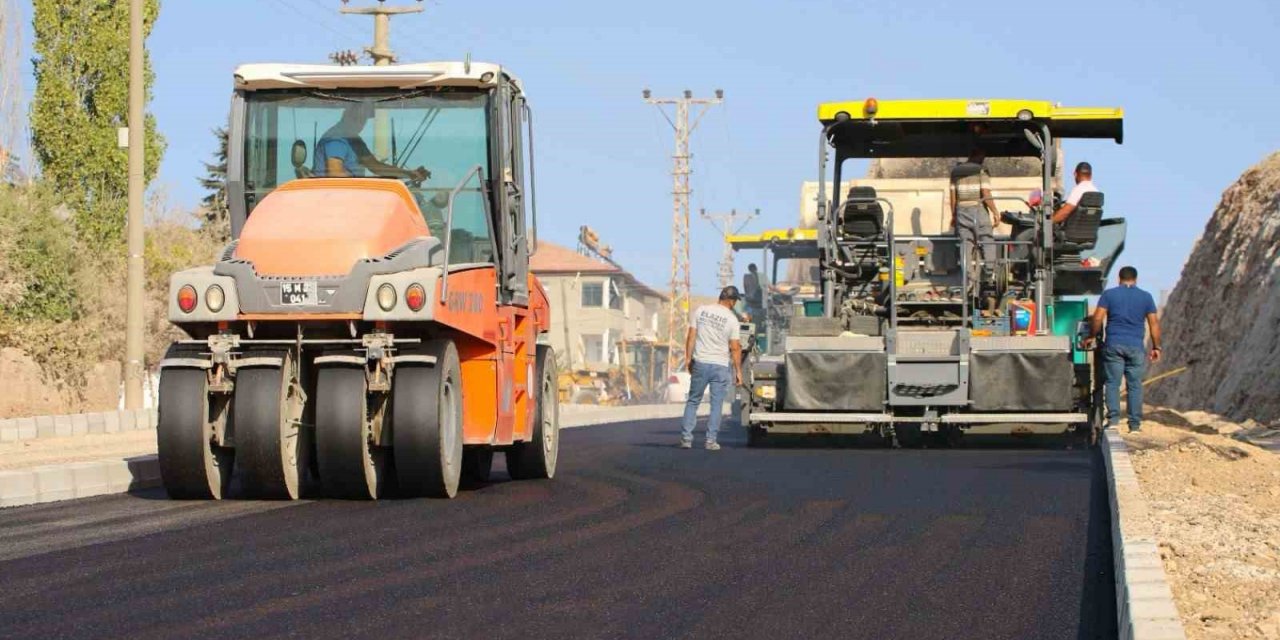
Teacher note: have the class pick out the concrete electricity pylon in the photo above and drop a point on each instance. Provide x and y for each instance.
(678, 313)
(728, 224)
(382, 56)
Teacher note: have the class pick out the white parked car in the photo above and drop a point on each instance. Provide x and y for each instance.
(678, 386)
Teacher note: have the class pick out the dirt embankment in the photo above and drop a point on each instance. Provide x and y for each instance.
(1215, 500)
(30, 390)
(1223, 318)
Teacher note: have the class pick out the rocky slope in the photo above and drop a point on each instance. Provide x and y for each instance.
(1223, 318)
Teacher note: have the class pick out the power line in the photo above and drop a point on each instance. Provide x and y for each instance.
(728, 224)
(288, 4)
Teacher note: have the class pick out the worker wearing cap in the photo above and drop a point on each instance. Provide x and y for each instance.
(715, 361)
(973, 212)
(341, 153)
(1084, 184)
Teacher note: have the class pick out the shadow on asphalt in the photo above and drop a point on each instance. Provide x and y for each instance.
(1098, 599)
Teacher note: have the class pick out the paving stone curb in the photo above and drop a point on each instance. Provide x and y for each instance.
(1144, 601)
(32, 428)
(55, 482)
(52, 483)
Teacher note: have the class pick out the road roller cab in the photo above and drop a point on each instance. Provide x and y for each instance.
(373, 325)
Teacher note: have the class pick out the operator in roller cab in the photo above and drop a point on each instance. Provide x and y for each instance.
(341, 153)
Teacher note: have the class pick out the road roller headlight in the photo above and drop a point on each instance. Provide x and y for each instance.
(387, 297)
(214, 298)
(415, 296)
(768, 392)
(187, 298)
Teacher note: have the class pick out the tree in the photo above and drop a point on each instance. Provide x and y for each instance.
(81, 98)
(215, 215)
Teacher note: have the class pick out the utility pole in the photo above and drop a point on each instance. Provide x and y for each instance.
(134, 369)
(728, 224)
(382, 56)
(678, 313)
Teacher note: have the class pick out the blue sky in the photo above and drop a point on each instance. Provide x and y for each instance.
(1198, 82)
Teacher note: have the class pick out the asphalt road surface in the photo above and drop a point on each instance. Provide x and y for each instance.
(633, 539)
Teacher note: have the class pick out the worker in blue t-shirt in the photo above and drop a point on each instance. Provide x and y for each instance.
(341, 153)
(1127, 312)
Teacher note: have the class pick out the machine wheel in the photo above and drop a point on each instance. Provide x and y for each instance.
(426, 416)
(477, 463)
(756, 436)
(351, 465)
(192, 465)
(537, 457)
(269, 435)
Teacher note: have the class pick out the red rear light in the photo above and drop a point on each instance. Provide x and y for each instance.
(187, 299)
(415, 296)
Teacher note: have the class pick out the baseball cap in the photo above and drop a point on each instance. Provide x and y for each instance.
(730, 293)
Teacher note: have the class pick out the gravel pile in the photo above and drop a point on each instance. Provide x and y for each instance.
(1215, 501)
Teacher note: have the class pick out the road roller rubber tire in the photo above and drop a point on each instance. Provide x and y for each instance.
(536, 459)
(350, 465)
(426, 419)
(192, 467)
(269, 436)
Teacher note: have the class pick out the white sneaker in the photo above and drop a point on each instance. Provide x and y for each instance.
(686, 444)
(712, 446)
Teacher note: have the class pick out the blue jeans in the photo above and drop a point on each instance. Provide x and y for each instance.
(1130, 363)
(720, 378)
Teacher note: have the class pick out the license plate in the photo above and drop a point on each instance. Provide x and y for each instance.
(298, 293)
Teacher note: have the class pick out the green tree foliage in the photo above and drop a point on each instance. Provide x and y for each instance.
(215, 215)
(81, 98)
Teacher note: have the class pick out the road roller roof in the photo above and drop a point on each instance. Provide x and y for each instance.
(256, 77)
(948, 128)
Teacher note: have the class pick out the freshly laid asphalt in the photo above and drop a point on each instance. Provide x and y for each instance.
(633, 539)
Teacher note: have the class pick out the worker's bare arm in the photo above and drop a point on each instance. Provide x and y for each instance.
(735, 353)
(954, 212)
(1153, 325)
(384, 170)
(1096, 322)
(688, 348)
(335, 169)
(1063, 213)
(990, 203)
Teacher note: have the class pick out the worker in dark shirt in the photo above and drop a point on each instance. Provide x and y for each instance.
(341, 153)
(753, 295)
(1126, 312)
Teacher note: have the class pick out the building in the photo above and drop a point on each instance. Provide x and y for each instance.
(594, 305)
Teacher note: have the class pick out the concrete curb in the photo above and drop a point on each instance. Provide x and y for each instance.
(19, 429)
(1144, 602)
(56, 482)
(573, 416)
(69, 481)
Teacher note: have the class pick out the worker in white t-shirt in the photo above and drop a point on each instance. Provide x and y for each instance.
(1084, 184)
(715, 361)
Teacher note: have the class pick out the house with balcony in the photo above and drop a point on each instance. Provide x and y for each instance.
(595, 305)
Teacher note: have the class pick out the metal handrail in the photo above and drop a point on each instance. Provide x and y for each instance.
(477, 171)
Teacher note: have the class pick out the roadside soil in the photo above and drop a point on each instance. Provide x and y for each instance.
(1215, 500)
(41, 451)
